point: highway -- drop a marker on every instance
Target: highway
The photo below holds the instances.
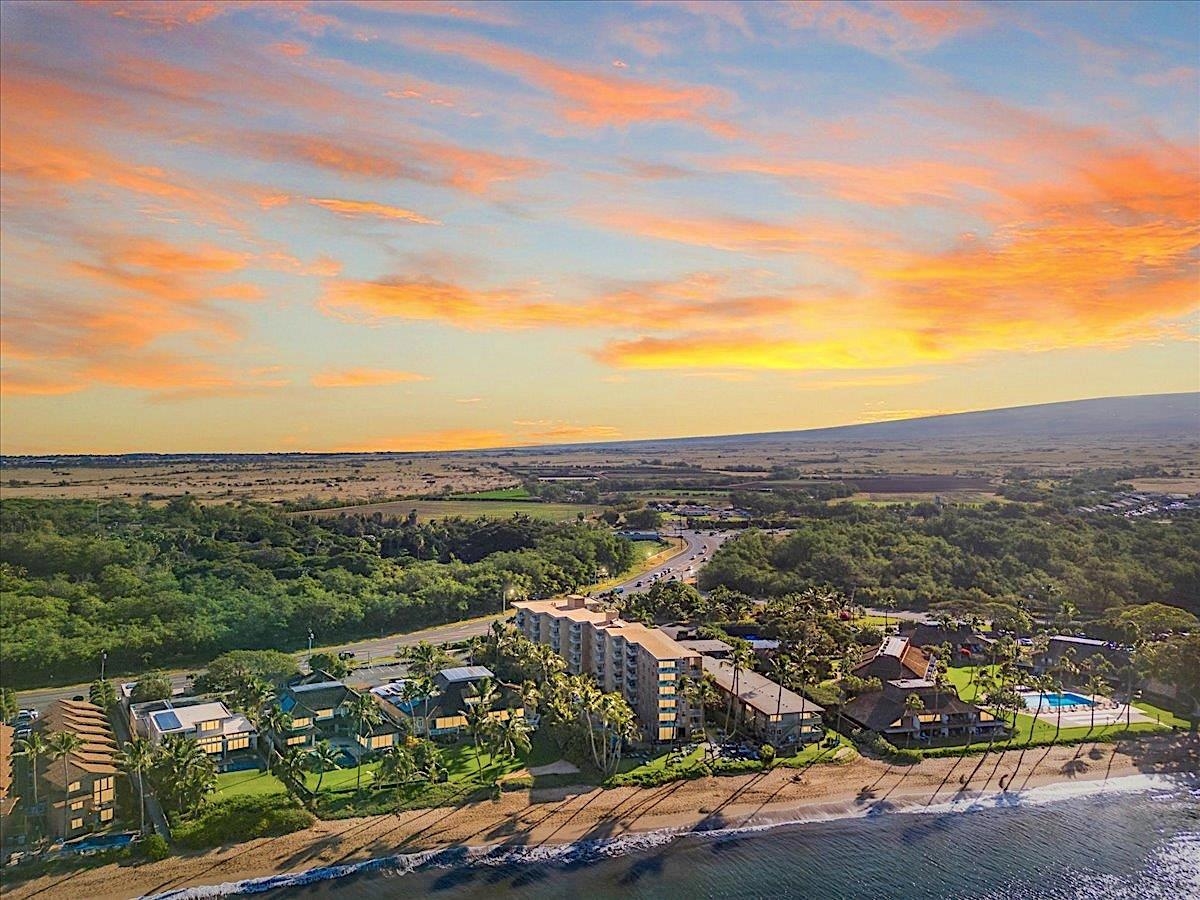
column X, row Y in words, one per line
column 375, row 648
column 693, row 555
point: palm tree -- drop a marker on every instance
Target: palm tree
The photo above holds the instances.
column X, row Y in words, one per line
column 250, row 695
column 273, row 725
column 292, row 764
column 530, row 697
column 742, row 657
column 887, row 603
column 479, row 723
column 187, row 772
column 398, row 764
column 34, row 748
column 512, row 736
column 419, row 689
column 1095, row 684
column 366, row 713
column 913, row 704
column 62, row 744
column 784, row 670
column 137, row 756
column 322, row 758
column 620, row 726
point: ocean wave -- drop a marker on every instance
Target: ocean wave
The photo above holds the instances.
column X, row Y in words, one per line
column 586, row 851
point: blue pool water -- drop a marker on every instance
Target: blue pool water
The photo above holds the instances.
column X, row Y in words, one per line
column 1054, row 701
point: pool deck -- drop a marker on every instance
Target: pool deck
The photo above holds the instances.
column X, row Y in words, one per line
column 1108, row 712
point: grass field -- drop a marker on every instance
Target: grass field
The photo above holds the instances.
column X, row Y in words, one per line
column 512, row 493
column 247, row 784
column 440, row 509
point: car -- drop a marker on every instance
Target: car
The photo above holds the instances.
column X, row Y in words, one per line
column 1026, row 642
column 22, row 733
column 639, row 584
column 78, row 698
column 346, row 654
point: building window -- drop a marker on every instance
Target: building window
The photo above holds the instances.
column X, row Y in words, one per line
column 241, row 742
column 76, row 805
column 301, row 722
column 297, row 739
column 106, row 815
column 76, row 823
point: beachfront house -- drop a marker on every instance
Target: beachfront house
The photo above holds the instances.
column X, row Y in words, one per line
column 962, row 638
column 1083, row 650
column 937, row 712
column 321, row 708
column 223, row 735
column 454, row 690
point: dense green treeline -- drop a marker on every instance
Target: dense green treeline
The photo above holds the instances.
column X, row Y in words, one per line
column 918, row 555
column 161, row 586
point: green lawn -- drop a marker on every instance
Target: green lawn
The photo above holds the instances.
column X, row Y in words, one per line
column 459, row 760
column 662, row 761
column 248, row 783
column 961, row 678
column 820, row 752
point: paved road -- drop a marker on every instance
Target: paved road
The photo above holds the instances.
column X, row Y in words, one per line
column 40, row 698
column 699, row 549
column 365, row 650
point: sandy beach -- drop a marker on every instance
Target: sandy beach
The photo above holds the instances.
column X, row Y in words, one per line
column 566, row 815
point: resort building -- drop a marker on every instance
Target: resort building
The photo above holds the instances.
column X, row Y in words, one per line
column 8, row 798
column 446, row 709
column 321, row 707
column 895, row 658
column 940, row 714
column 81, row 794
column 1083, row 650
column 642, row 664
column 774, row 713
column 209, row 723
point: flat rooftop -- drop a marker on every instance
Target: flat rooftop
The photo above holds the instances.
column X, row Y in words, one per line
column 651, row 640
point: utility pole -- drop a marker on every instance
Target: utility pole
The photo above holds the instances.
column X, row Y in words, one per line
column 310, row 640
column 103, row 659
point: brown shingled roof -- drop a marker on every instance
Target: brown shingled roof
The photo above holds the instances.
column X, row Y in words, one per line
column 97, row 753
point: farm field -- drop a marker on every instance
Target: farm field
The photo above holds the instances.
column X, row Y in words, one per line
column 440, row 509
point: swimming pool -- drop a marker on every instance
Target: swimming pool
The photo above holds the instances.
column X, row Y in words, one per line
column 1054, row 701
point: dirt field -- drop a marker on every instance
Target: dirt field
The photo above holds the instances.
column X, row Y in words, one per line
column 373, row 478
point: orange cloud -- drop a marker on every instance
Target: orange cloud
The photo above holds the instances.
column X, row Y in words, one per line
column 699, row 300
column 429, row 162
column 598, row 98
column 886, row 29
column 364, row 378
column 353, row 209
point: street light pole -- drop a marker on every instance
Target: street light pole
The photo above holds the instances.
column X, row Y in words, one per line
column 103, row 659
column 310, row 640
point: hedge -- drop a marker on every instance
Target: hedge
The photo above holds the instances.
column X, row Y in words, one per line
column 242, row 819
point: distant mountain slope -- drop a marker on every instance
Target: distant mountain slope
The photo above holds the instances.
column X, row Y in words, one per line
column 1154, row 416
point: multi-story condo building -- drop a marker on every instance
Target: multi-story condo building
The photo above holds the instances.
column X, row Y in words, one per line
column 86, row 784
column 770, row 710
column 642, row 664
column 209, row 723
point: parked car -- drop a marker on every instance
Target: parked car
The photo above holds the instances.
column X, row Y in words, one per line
column 346, row 654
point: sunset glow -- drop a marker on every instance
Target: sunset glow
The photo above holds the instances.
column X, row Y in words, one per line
column 410, row 226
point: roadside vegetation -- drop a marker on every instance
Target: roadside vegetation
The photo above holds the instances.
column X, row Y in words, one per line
column 158, row 587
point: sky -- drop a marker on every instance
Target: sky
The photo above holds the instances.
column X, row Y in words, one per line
column 419, row 226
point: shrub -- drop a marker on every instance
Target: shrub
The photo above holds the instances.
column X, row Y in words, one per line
column 736, row 766
column 241, row 819
column 520, row 783
column 768, row 754
column 155, row 848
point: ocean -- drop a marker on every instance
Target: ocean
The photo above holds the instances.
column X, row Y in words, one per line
column 1136, row 837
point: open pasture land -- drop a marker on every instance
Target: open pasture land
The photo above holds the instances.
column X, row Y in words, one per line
column 293, row 478
column 345, row 479
column 467, row 509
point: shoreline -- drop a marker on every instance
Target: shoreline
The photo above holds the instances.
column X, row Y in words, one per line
column 567, row 822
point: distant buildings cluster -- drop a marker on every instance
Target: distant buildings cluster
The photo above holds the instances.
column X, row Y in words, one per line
column 1138, row 505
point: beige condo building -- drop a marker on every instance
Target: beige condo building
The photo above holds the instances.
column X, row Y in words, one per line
column 642, row 664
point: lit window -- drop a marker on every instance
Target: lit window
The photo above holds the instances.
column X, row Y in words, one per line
column 72, row 787
column 296, row 739
column 76, row 805
column 106, row 815
column 76, row 823
column 238, row 743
